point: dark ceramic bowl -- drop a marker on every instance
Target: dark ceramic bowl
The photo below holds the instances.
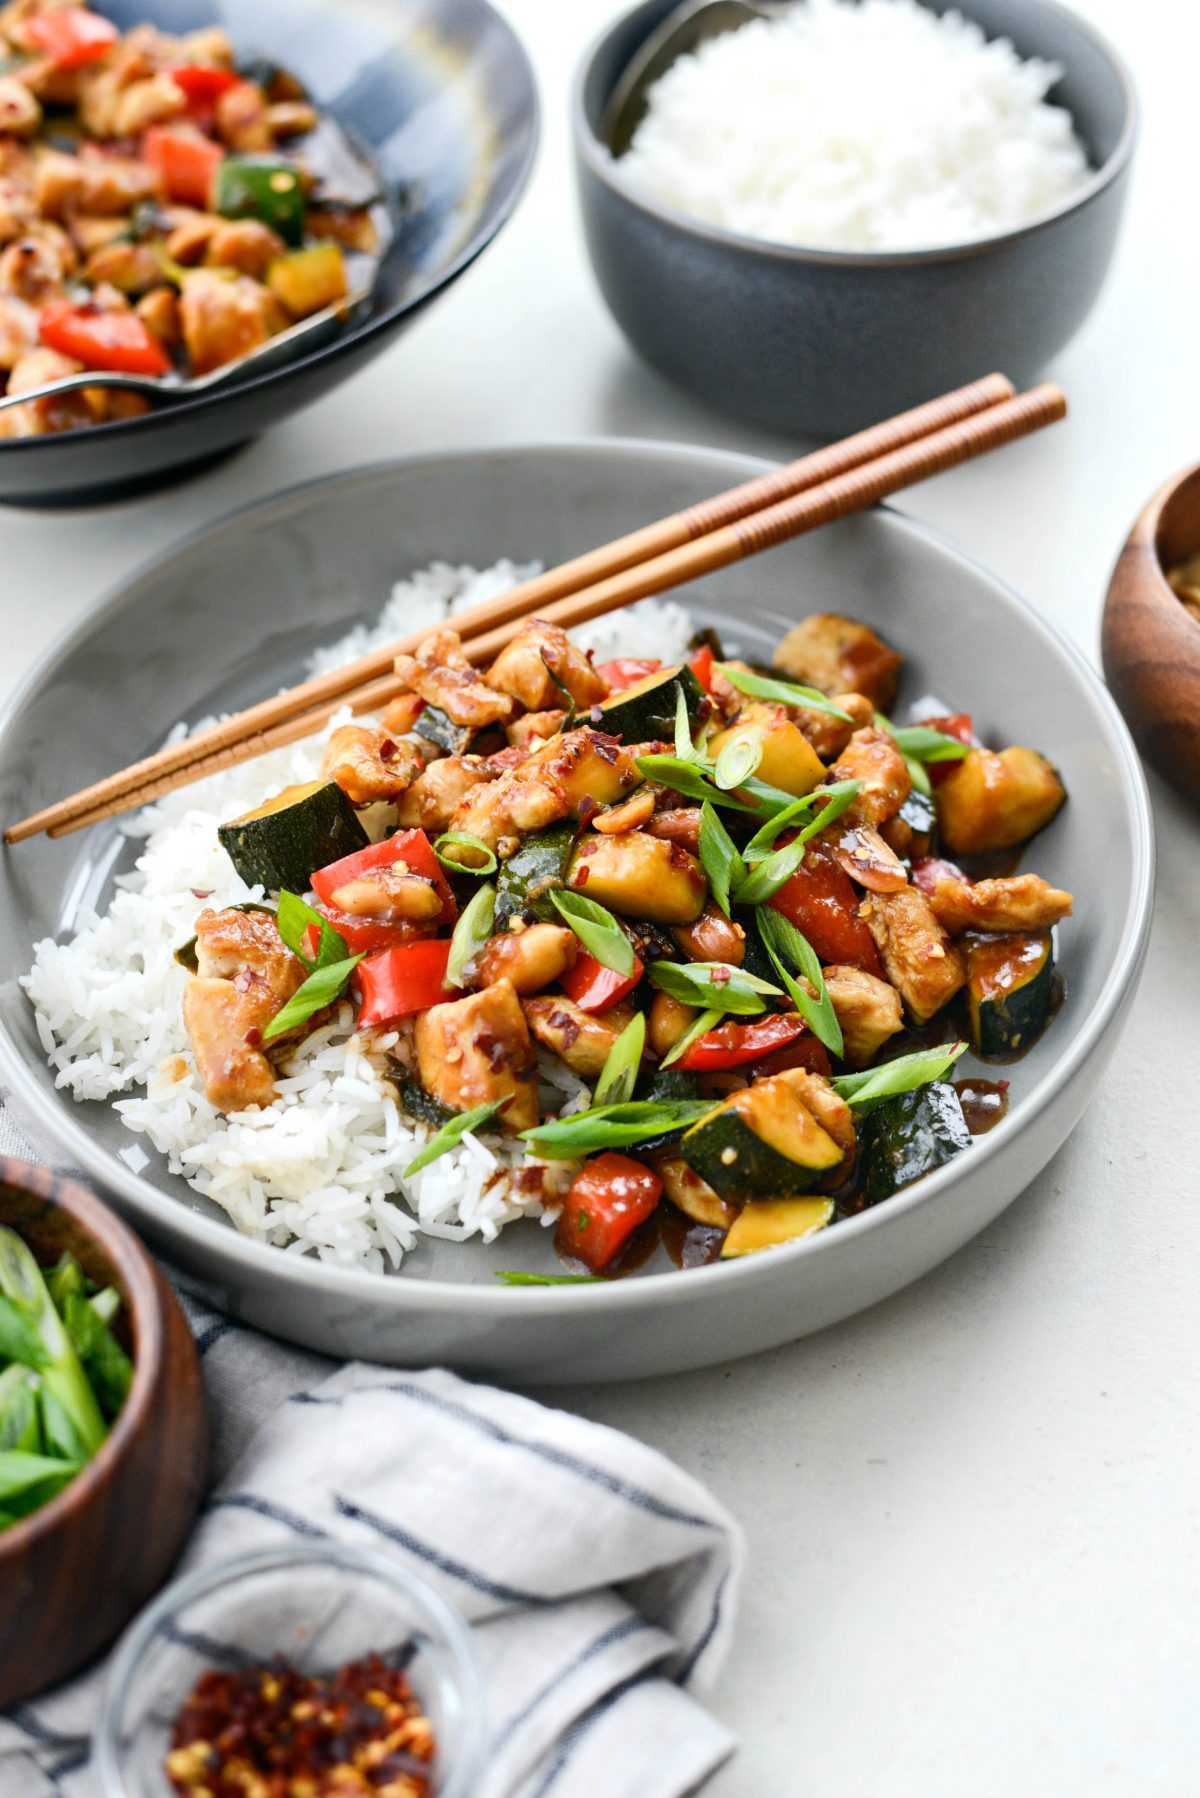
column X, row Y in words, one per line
column 73, row 1573
column 823, row 342
column 441, row 97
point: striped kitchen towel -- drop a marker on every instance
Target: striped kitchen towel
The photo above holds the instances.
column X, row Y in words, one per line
column 600, row 1579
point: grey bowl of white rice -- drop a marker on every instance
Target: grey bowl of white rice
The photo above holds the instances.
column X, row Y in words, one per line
column 831, row 215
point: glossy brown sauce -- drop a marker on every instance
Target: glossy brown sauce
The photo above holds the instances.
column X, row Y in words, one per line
column 984, row 1103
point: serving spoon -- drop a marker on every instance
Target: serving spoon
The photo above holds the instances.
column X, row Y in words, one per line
column 310, row 332
column 684, row 29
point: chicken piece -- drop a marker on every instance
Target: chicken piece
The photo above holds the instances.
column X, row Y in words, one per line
column 18, row 331
column 35, row 267
column 631, row 814
column 539, row 662
column 370, row 765
column 245, row 976
column 159, row 311
column 88, row 234
column 100, row 185
column 580, row 1038
column 1020, row 902
column 223, row 319
column 434, row 797
column 244, row 244
column 20, row 111
column 442, row 675
column 918, row 956
column 822, row 1103
column 829, row 736
column 867, row 1008
column 840, row 655
column 121, row 103
column 591, row 768
column 872, row 756
column 713, row 937
column 864, row 856
column 291, row 118
column 241, row 119
column 508, row 808
column 476, row 1050
column 132, row 268
column 530, row 958
column 190, row 237
column 400, row 714
column 54, row 412
column 534, row 727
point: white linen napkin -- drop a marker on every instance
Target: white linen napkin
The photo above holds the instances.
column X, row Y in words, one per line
column 600, row 1579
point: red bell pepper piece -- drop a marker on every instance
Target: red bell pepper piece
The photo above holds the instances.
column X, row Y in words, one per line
column 701, row 666
column 185, row 164
column 730, row 1045
column 930, row 868
column 805, row 1051
column 364, row 936
column 70, row 36
column 626, row 671
column 593, row 987
column 960, row 726
column 398, row 982
column 607, row 1201
column 820, row 901
column 203, row 86
column 409, row 846
column 98, row 339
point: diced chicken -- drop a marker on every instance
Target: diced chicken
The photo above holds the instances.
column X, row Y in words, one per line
column 918, row 956
column 190, row 237
column 443, row 676
column 122, row 101
column 510, row 807
column 580, row 1038
column 436, row 794
column 241, row 118
column 530, row 958
column 1020, row 902
column 20, row 111
column 829, row 736
column 35, row 266
column 534, row 727
column 18, row 330
column 133, row 268
column 477, row 1050
column 538, row 663
column 54, row 412
column 231, row 942
column 872, row 756
column 245, row 244
column 88, row 234
column 245, row 977
column 100, row 185
column 224, row 319
column 290, row 118
column 839, row 655
column 867, row 1008
column 159, row 311
column 822, row 1103
column 864, row 856
column 370, row 765
column 591, row 768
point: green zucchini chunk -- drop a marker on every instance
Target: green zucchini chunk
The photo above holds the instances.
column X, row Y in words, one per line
column 668, row 1086
column 1010, row 989
column 438, row 727
column 920, row 814
column 645, row 712
column 909, row 1136
column 281, row 844
column 422, row 1106
column 526, row 879
column 761, row 1143
column 186, row 955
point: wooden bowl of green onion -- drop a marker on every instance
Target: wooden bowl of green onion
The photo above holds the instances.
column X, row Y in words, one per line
column 103, row 1428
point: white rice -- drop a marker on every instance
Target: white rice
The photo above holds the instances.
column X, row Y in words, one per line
column 858, row 125
column 318, row 1171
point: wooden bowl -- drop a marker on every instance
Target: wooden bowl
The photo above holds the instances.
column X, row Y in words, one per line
column 1150, row 643
column 73, row 1573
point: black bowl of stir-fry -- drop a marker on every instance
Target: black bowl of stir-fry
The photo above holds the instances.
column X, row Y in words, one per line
column 174, row 196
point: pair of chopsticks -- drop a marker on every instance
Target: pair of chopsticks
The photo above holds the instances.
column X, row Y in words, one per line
column 845, row 477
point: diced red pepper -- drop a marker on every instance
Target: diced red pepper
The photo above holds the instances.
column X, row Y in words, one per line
column 960, row 726
column 805, row 1051
column 593, row 987
column 820, row 901
column 185, row 164
column 701, row 666
column 607, row 1201
column 398, row 982
column 203, row 86
column 363, row 936
column 927, row 872
column 409, row 846
column 626, row 671
column 99, row 339
column 730, row 1045
column 70, row 36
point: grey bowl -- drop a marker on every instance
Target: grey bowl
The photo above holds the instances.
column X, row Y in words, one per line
column 825, row 342
column 179, row 640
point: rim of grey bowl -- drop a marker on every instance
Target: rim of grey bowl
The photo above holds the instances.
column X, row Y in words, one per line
column 606, row 167
column 470, row 1695
column 670, row 1286
column 472, row 247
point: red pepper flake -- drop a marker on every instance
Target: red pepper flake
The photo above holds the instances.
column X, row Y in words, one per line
column 253, row 1038
column 274, row 1730
column 388, row 750
column 582, row 872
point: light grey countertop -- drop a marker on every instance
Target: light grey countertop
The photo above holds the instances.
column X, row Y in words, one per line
column 972, row 1513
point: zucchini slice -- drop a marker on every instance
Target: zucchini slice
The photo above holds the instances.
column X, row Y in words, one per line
column 761, row 1142
column 186, row 955
column 909, row 1136
column 645, row 712
column 526, row 879
column 281, row 843
column 766, row 1223
column 438, row 727
column 671, row 1086
column 422, row 1106
column 1010, row 988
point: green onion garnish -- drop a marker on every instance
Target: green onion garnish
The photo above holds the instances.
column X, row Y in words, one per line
column 761, row 843
column 782, row 940
column 472, row 931
column 700, row 1026
column 923, row 744
column 512, row 1278
column 738, row 760
column 688, row 779
column 450, row 1135
column 618, row 1076
column 758, row 686
column 462, row 853
column 767, row 876
column 293, row 918
column 719, row 857
column 321, row 988
column 903, row 1075
column 613, row 1127
column 713, row 986
column 596, row 929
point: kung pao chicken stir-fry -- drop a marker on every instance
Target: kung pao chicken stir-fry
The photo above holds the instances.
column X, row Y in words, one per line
column 161, row 208
column 749, row 915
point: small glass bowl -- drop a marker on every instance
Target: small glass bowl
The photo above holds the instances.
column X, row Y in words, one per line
column 317, row 1605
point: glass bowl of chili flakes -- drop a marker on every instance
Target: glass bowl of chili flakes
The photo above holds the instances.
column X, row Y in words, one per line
column 325, row 1666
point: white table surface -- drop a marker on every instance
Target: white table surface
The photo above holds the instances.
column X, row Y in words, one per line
column 972, row 1513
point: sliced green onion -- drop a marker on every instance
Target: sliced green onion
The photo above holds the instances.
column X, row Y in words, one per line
column 618, row 1076
column 472, row 931
column 713, row 986
column 293, row 919
column 511, row 1278
column 922, row 744
column 688, row 779
column 19, row 1341
column 20, row 1426
column 903, row 1075
column 105, row 1362
column 64, row 1384
column 28, row 1481
column 758, row 686
column 719, row 857
column 450, row 1135
column 321, row 988
column 473, row 857
column 568, row 698
column 613, row 1127
column 685, row 749
column 708, row 1020
column 771, row 800
column 782, row 940
column 738, row 760
column 596, row 929
column 767, row 876
column 763, row 839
